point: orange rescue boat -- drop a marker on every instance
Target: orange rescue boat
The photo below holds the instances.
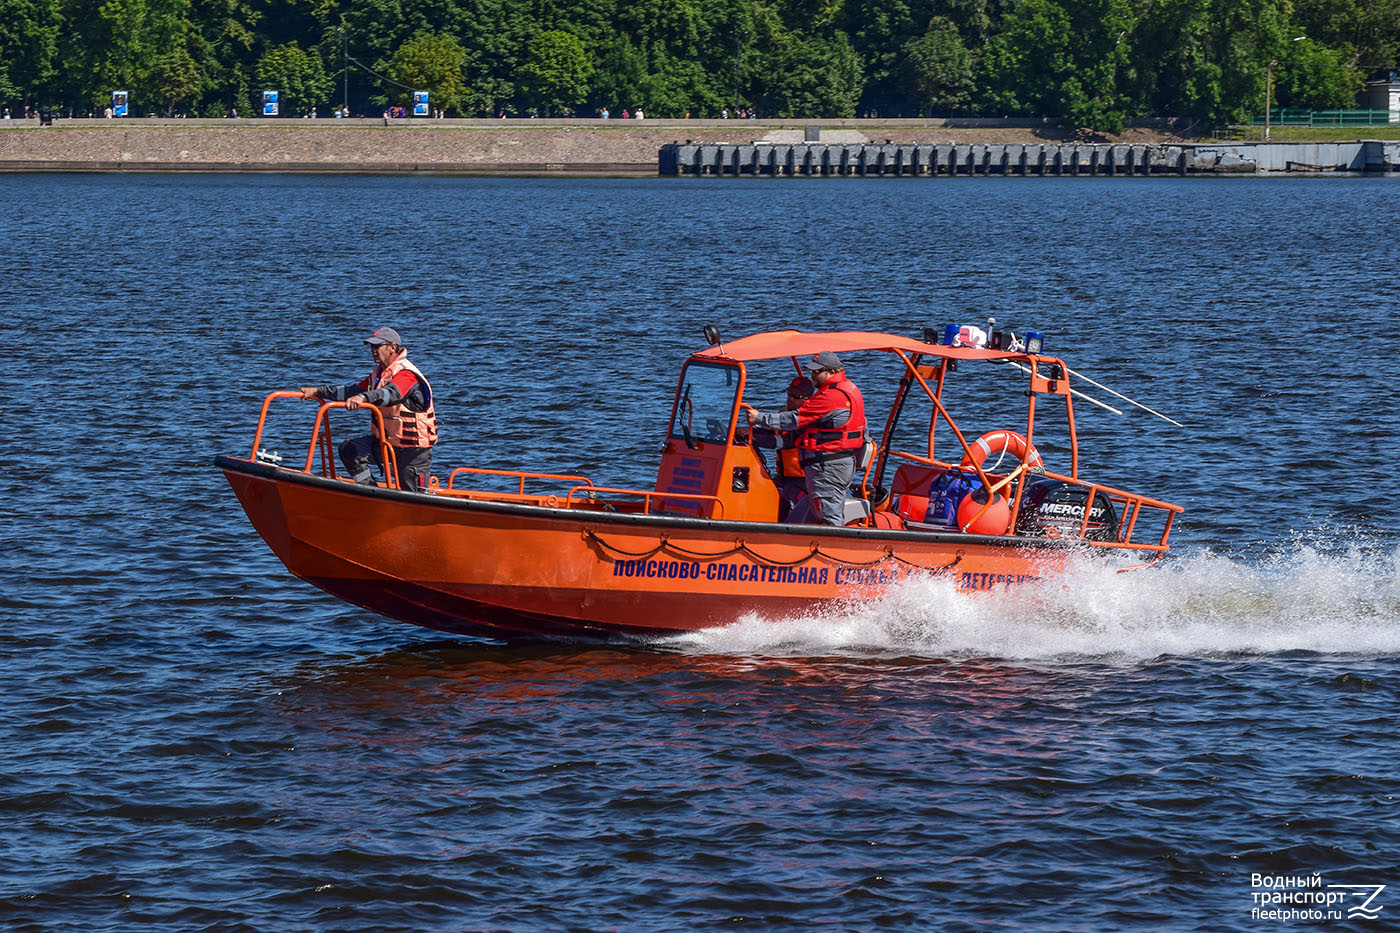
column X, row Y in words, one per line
column 555, row 556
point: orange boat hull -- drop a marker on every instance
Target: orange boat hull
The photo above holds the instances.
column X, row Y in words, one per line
column 507, row 570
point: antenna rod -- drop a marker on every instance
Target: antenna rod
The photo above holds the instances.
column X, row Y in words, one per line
column 1087, row 398
column 1123, row 397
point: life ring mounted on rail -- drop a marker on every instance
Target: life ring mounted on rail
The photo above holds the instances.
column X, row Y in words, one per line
column 1002, row 443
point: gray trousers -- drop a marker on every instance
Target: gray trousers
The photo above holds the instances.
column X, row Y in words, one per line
column 828, row 485
column 791, row 489
column 414, row 464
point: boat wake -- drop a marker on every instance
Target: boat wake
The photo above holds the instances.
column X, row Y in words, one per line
column 1312, row 596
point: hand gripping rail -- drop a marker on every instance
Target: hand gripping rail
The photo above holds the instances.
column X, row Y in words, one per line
column 321, row 436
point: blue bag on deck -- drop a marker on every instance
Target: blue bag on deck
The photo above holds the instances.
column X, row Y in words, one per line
column 946, row 493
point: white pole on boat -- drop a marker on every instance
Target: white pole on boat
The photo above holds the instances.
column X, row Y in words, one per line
column 1123, row 397
column 1087, row 398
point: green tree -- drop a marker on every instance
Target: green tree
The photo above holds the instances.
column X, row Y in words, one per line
column 432, row 62
column 622, row 78
column 29, row 31
column 938, row 68
column 174, row 80
column 1206, row 59
column 799, row 75
column 119, row 46
column 226, row 36
column 1023, row 64
column 880, row 31
column 673, row 57
column 1370, row 29
column 556, row 71
column 298, row 76
column 1317, row 77
column 676, row 87
column 1056, row 61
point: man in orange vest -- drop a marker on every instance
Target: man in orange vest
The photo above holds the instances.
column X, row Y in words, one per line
column 405, row 400
column 791, row 479
column 830, row 432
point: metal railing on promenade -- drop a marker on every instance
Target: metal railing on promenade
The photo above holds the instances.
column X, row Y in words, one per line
column 1283, row 116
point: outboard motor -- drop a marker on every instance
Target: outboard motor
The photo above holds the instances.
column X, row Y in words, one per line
column 1053, row 508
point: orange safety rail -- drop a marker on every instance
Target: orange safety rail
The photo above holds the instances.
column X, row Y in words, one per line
column 935, row 397
column 386, row 456
column 262, row 419
column 321, row 435
column 1130, row 505
column 646, row 494
column 521, row 475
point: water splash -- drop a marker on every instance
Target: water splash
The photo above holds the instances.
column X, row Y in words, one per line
column 1328, row 597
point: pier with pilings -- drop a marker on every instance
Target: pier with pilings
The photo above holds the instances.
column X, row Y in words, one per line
column 1047, row 160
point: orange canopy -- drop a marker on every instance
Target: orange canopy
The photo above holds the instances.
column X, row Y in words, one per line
column 780, row 343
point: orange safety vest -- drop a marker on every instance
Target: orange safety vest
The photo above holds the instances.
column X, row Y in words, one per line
column 404, row 428
column 790, row 463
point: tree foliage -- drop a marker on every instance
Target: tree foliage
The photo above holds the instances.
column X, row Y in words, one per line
column 298, row 76
column 556, row 70
column 173, row 80
column 432, row 62
column 29, row 31
column 938, row 68
column 1091, row 63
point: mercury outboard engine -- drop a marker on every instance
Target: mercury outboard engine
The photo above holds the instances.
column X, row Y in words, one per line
column 1054, row 508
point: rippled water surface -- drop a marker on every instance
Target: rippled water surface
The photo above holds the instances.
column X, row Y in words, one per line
column 191, row 739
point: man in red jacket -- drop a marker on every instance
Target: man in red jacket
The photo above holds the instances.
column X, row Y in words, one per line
column 791, row 481
column 830, row 433
column 405, row 400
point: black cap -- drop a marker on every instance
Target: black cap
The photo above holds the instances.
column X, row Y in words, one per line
column 801, row 387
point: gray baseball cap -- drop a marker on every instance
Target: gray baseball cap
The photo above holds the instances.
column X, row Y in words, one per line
column 384, row 335
column 825, row 360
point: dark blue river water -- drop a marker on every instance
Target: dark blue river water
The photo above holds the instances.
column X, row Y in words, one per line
column 190, row 739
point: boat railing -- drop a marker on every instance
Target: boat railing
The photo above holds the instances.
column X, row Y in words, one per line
column 646, row 495
column 1131, row 507
column 519, row 475
column 321, row 437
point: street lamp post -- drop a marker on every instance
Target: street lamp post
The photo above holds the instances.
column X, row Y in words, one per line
column 345, row 67
column 1269, row 87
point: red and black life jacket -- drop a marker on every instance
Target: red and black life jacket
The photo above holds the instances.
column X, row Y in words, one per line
column 851, row 435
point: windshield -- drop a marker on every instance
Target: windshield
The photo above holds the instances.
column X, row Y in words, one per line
column 706, row 402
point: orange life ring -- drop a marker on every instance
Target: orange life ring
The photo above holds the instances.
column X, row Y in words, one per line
column 1000, row 442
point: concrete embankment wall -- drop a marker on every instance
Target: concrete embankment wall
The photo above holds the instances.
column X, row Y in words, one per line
column 627, row 147
column 578, row 146
column 326, row 146
column 896, row 160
